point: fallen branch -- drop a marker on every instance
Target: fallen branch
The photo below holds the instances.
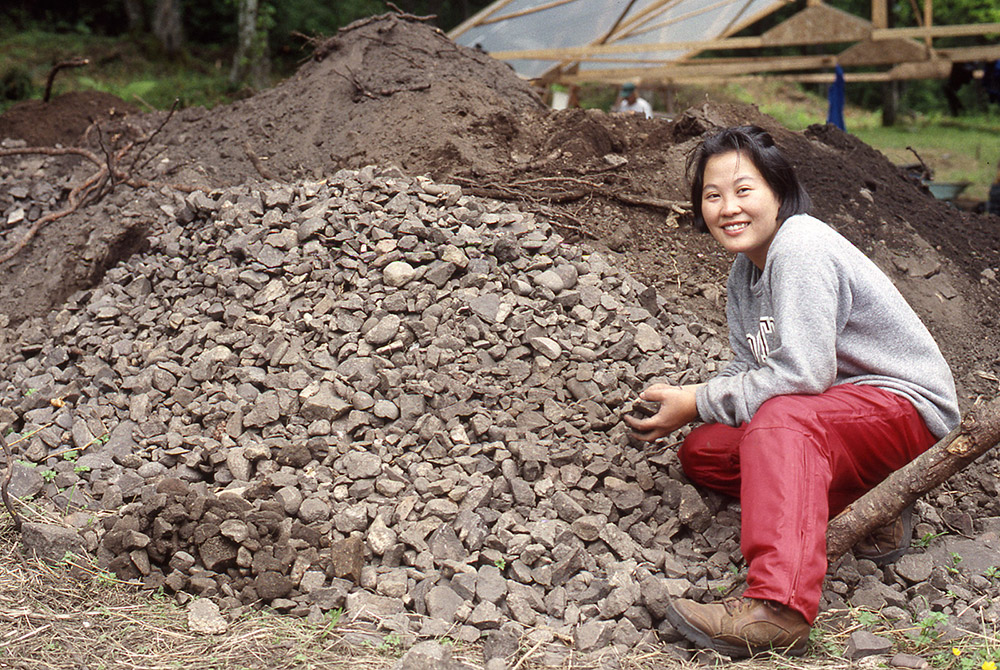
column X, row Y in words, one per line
column 72, row 62
column 406, row 15
column 978, row 433
column 6, row 480
column 258, row 165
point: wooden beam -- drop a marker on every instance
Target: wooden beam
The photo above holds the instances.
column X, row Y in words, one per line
column 674, row 71
column 583, row 52
column 525, row 12
column 967, row 54
column 474, row 20
column 883, row 52
column 958, row 30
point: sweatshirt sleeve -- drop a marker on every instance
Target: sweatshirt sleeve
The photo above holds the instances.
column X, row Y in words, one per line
column 809, row 298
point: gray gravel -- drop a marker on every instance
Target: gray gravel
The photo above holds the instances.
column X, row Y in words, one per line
column 378, row 394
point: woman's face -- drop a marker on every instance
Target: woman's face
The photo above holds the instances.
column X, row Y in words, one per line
column 739, row 207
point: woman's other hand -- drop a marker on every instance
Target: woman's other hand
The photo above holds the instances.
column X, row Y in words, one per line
column 678, row 408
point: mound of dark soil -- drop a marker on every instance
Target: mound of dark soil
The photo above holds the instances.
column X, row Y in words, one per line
column 62, row 120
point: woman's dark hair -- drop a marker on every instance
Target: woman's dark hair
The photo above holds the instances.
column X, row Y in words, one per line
column 756, row 144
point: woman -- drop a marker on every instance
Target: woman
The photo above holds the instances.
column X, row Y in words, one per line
column 835, row 383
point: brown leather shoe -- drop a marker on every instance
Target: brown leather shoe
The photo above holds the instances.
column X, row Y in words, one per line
column 889, row 542
column 740, row 627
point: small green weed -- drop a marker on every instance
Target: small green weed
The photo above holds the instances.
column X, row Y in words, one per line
column 927, row 630
column 927, row 538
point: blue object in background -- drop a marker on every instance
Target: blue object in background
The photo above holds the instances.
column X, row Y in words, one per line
column 836, row 98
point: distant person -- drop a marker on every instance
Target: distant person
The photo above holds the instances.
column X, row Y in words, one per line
column 630, row 102
column 834, row 384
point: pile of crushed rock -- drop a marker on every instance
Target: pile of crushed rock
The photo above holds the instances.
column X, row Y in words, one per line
column 378, row 394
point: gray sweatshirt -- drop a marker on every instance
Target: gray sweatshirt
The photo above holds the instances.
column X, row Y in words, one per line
column 820, row 314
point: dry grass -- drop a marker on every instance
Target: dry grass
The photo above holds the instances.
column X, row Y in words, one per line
column 73, row 616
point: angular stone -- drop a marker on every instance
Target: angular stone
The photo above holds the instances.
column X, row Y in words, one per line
column 381, row 538
column 205, row 617
column 863, row 643
column 49, row 542
column 347, row 558
column 442, row 603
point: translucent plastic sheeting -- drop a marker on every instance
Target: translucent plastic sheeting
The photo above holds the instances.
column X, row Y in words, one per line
column 516, row 25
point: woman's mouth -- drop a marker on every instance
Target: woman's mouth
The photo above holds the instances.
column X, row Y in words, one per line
column 732, row 228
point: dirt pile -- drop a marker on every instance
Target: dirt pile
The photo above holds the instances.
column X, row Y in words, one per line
column 64, row 119
column 368, row 389
column 382, row 92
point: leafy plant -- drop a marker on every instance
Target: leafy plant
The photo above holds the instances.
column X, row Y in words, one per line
column 927, row 538
column 927, row 630
column 500, row 564
column 49, row 475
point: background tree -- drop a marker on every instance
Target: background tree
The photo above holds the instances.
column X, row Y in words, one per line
column 251, row 63
column 168, row 25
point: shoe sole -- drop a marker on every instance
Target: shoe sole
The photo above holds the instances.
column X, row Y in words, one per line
column 701, row 639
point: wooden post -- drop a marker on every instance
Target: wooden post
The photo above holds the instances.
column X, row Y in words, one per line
column 880, row 14
column 928, row 21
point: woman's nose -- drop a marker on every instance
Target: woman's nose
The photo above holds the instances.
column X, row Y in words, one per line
column 730, row 206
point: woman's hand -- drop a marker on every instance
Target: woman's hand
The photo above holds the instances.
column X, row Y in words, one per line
column 678, row 408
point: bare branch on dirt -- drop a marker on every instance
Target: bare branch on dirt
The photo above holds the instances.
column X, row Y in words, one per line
column 6, row 481
column 144, row 142
column 353, row 81
column 405, row 15
column 978, row 433
column 925, row 172
column 98, row 184
column 258, row 165
column 72, row 62
column 521, row 190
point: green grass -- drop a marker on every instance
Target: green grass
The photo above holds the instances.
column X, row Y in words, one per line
column 134, row 70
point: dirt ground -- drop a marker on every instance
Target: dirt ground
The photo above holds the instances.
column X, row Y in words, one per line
column 391, row 91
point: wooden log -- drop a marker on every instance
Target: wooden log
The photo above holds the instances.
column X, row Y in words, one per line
column 978, row 433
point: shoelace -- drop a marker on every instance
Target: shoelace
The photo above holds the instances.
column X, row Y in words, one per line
column 734, row 604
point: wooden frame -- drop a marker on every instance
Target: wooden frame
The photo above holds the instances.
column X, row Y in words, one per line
column 905, row 52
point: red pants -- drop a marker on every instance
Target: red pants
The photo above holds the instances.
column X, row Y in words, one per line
column 800, row 461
